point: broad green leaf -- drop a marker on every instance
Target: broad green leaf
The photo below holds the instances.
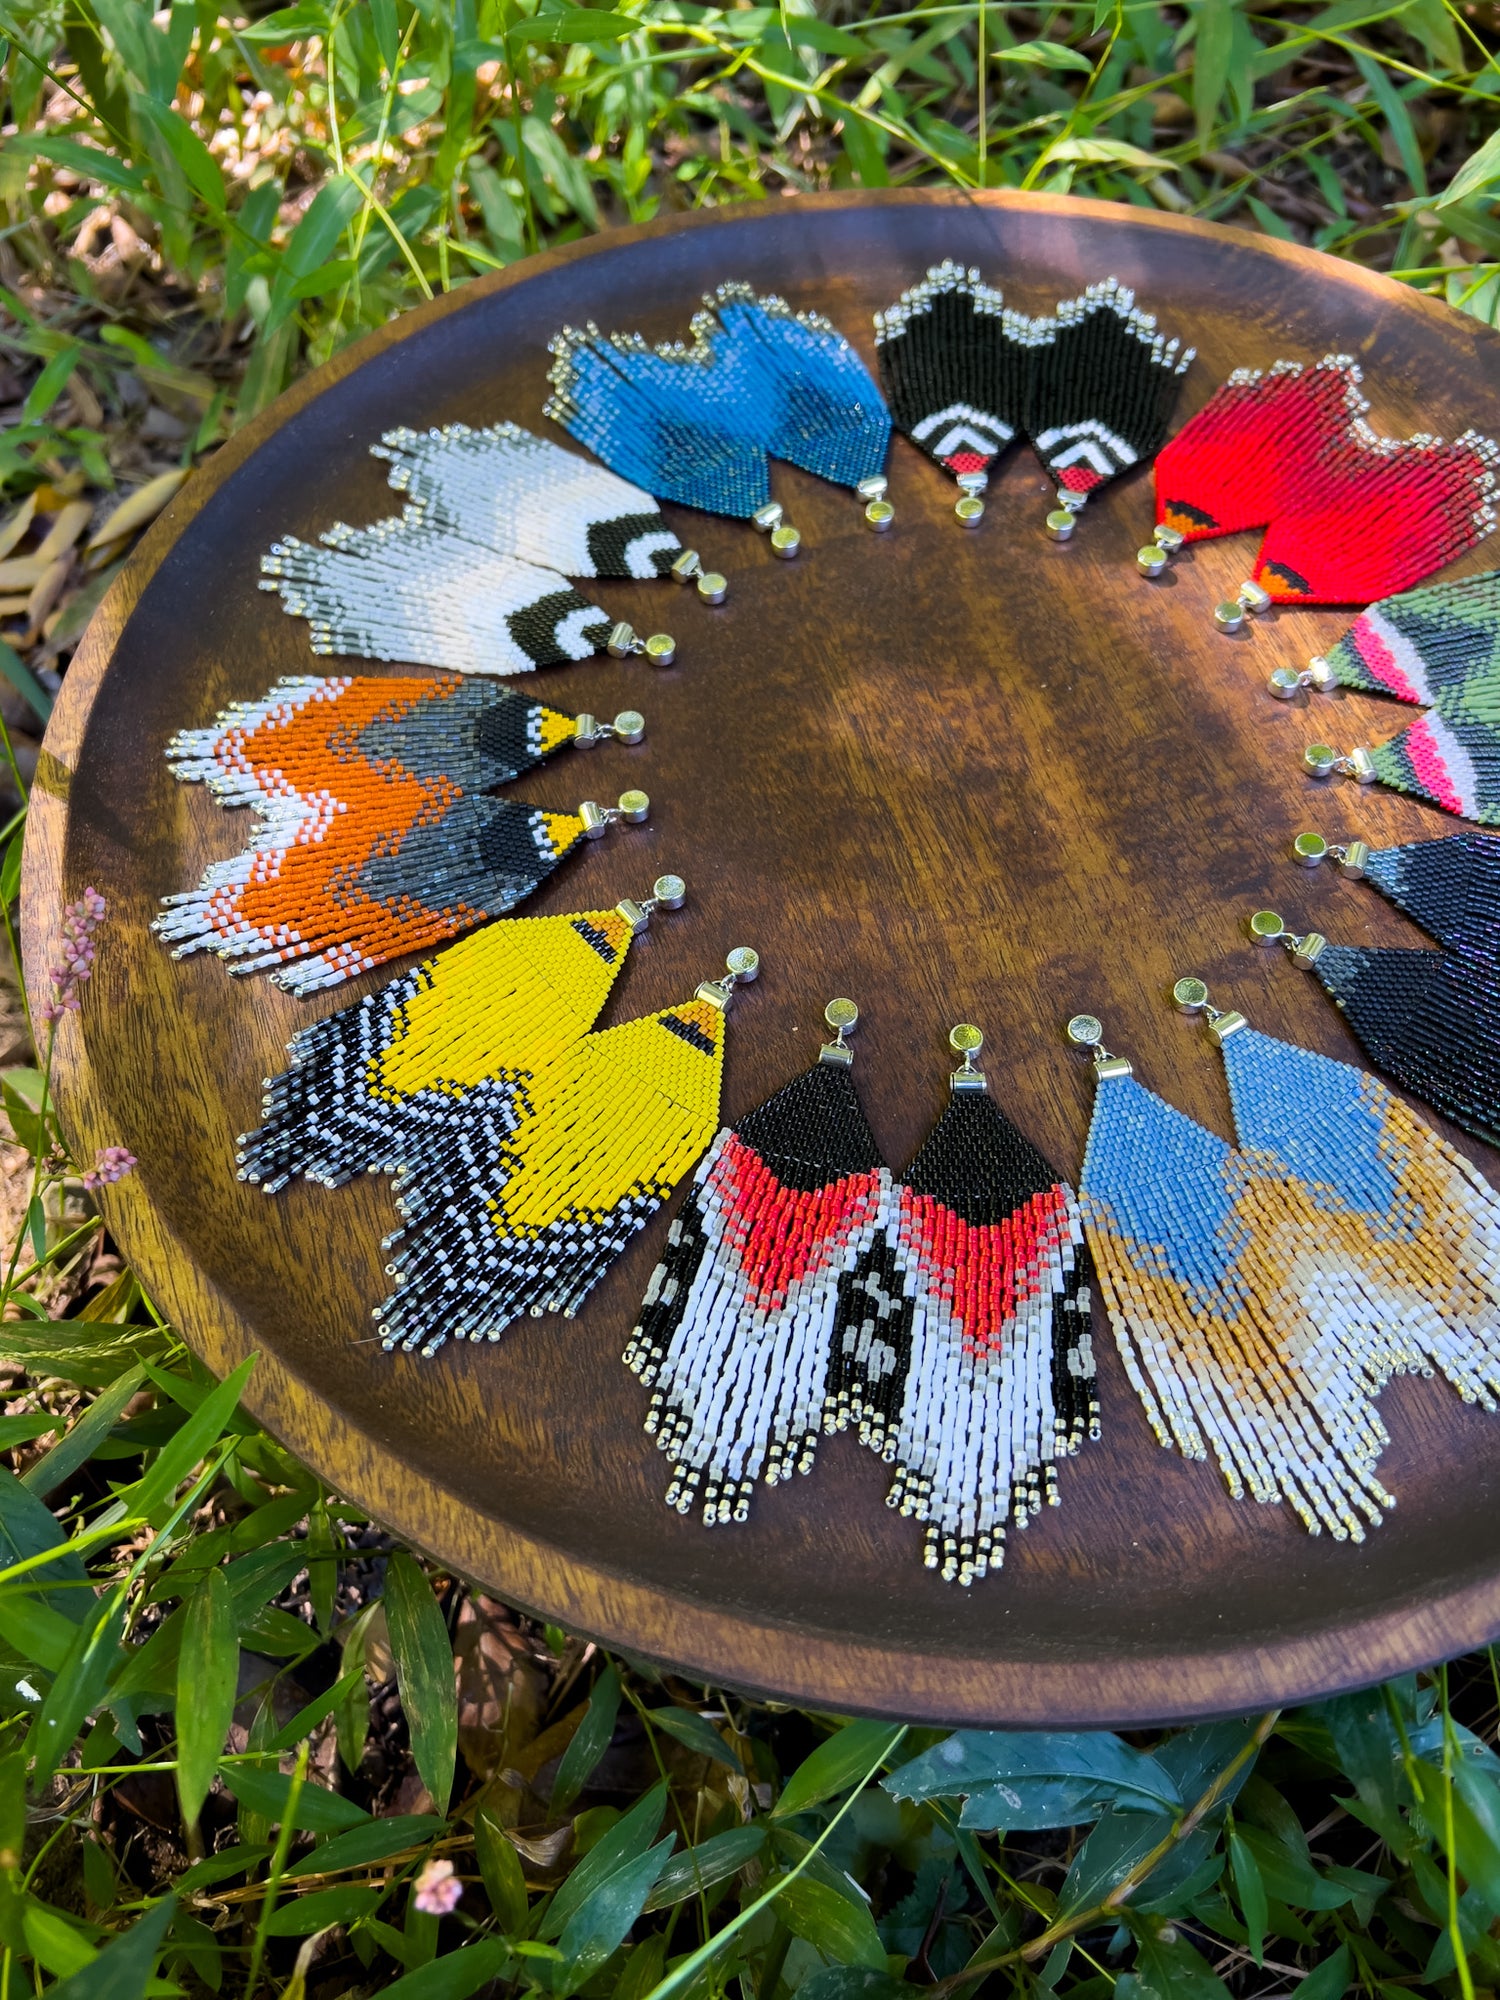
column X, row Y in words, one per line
column 625, row 1842
column 854, row 1982
column 1252, row 1894
column 455, row 1975
column 57, row 1945
column 807, row 31
column 208, row 1666
column 216, row 1868
column 10, row 868
column 1103, row 152
column 287, row 25
column 644, row 1964
column 599, row 1923
column 300, row 1916
column 841, row 1760
column 589, row 1743
column 1477, row 175
column 1368, row 1753
column 501, row 1872
column 576, row 24
column 199, row 167
column 1168, row 1968
column 91, row 1429
column 1023, row 1783
column 1045, row 55
column 1287, row 1873
column 312, row 243
column 838, row 1927
column 864, row 149
column 266, row 1793
column 123, row 1968
column 90, row 163
column 706, row 1865
column 424, row 1674
column 696, row 1732
column 27, row 1528
column 151, row 1497
column 50, row 384
column 1330, row 1978
column 376, row 1840
column 79, row 1685
column 1212, row 47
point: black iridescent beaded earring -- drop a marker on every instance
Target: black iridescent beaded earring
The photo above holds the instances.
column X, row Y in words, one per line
column 1429, row 1019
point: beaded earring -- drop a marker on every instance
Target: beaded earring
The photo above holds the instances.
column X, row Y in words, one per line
column 1102, row 388
column 1429, row 1019
column 735, row 1328
column 422, row 1076
column 1093, row 387
column 520, row 495
column 955, row 374
column 1262, row 1296
column 407, row 590
column 1349, row 516
column 699, row 424
column 372, row 836
column 606, row 1130
column 961, row 1346
column 1425, row 646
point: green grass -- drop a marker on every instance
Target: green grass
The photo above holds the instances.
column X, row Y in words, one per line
column 196, row 206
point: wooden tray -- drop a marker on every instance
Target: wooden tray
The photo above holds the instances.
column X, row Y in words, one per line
column 957, row 776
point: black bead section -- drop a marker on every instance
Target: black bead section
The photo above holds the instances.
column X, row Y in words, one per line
column 976, row 1162
column 813, row 1132
column 608, row 542
column 535, row 627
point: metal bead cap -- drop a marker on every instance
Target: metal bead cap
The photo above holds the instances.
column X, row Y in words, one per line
column 634, row 807
column 1266, row 927
column 712, row 587
column 1320, row 760
column 1060, row 524
column 1151, row 560
column 1086, row 1030
column 1230, row 615
column 1285, row 683
column 785, row 541
column 841, row 1015
column 1190, row 995
column 1310, row 849
column 661, row 649
column 970, row 510
column 965, row 1039
column 880, row 514
column 629, row 725
column 669, row 891
column 744, row 963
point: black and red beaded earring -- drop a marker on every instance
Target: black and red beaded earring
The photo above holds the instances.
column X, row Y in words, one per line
column 962, row 1348
column 733, row 1338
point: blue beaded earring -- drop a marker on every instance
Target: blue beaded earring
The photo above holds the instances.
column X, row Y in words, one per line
column 699, row 423
column 1429, row 1019
column 1261, row 1296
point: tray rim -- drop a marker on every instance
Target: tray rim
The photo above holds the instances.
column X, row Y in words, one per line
column 730, row 1647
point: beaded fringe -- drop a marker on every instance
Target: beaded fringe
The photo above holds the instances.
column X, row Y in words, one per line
column 1262, row 1297
column 605, row 1131
column 737, row 1321
column 1349, row 515
column 698, row 423
column 523, row 496
column 422, row 1077
column 946, row 1317
column 961, row 1348
column 405, row 589
column 366, row 815
column 1093, row 387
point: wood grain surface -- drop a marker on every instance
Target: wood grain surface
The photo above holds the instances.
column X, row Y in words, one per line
column 956, row 776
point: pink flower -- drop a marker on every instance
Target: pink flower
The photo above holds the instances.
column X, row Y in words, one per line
column 438, row 1889
column 80, row 921
column 111, row 1163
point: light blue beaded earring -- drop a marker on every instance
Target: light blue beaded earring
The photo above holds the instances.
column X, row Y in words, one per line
column 1261, row 1296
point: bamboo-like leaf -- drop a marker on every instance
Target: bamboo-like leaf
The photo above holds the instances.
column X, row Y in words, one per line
column 207, row 1677
column 424, row 1674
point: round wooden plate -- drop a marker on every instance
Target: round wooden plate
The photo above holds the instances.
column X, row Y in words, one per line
column 957, row 776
